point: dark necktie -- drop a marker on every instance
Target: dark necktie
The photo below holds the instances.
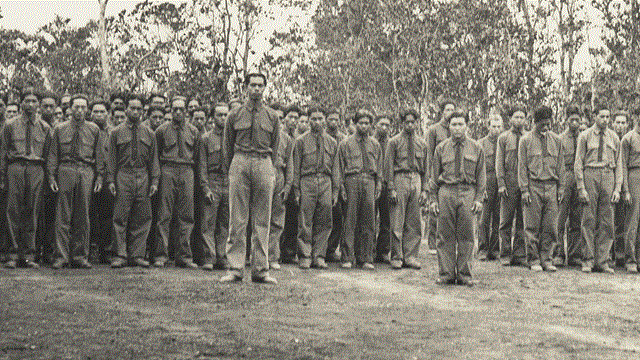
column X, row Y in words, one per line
column 458, row 159
column 320, row 152
column 75, row 141
column 412, row 153
column 28, row 138
column 366, row 167
column 179, row 142
column 543, row 145
column 134, row 143
column 600, row 145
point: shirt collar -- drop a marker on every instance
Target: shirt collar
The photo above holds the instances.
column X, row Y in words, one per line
column 217, row 130
column 597, row 130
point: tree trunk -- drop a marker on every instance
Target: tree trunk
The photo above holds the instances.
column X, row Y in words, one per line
column 104, row 57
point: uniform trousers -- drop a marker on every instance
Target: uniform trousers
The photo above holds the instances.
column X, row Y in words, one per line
column 315, row 216
column 359, row 225
column 278, row 214
column 510, row 212
column 569, row 219
column 490, row 220
column 383, row 209
column 132, row 213
column 215, row 230
column 405, row 217
column 541, row 221
column 597, row 216
column 631, row 236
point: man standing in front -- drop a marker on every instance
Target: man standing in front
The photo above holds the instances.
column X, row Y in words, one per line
column 457, row 188
column 541, row 180
column 359, row 167
column 620, row 124
column 405, row 168
column 599, row 180
column 250, row 142
column 25, row 142
column 75, row 167
column 132, row 178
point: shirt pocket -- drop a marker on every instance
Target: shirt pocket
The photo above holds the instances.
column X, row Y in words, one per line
column 354, row 158
column 447, row 160
column 87, row 141
column 38, row 142
column 534, row 162
column 470, row 165
column 65, row 138
column 265, row 132
column 19, row 139
column 309, row 157
column 213, row 155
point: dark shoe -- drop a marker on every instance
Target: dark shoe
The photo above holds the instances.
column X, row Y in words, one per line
column 59, row 264
column 231, row 277
column 383, row 259
column 519, row 262
column 141, row 262
column 83, row 264
column 159, row 263
column 482, row 256
column 413, row 264
column 574, row 262
column 264, row 279
column 441, row 281
column 188, row 264
column 549, row 267
column 332, row 258
column 368, row 266
column 305, row 263
column 620, row 263
column 223, row 264
column 31, row 264
column 396, row 264
column 117, row 263
column 346, row 265
column 320, row 264
column 465, row 282
column 11, row 264
column 505, row 261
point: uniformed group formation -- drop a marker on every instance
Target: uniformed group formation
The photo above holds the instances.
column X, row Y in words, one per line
column 142, row 181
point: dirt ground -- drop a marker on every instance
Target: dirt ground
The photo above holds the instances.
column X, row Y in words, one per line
column 130, row 313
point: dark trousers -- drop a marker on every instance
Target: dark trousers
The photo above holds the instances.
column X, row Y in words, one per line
column 45, row 235
column 132, row 213
column 619, row 217
column 541, row 222
column 24, row 195
column 405, row 217
column 456, row 234
column 197, row 239
column 359, row 226
column 215, row 230
column 75, row 183
column 569, row 219
column 383, row 209
column 176, row 201
column 315, row 216
column 631, row 238
column 510, row 212
column 597, row 216
column 289, row 238
column 490, row 220
column 101, row 215
column 278, row 214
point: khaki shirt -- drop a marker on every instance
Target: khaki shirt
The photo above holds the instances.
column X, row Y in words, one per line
column 397, row 158
column 13, row 146
column 489, row 144
column 587, row 154
column 507, row 156
column 536, row 164
column 120, row 152
column 350, row 157
column 308, row 152
column 629, row 156
column 436, row 134
column 569, row 143
column 89, row 144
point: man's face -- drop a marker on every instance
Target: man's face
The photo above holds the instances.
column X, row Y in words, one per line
column 543, row 126
column 332, row 121
column 303, row 124
column 117, row 102
column 518, row 119
column 79, row 109
column 602, row 118
column 220, row 116
column 48, row 109
column 156, row 118
column 119, row 116
column 620, row 124
column 316, row 120
column 410, row 123
column 495, row 127
column 58, row 115
column 458, row 127
column 30, row 104
column 193, row 104
column 198, row 119
column 11, row 111
column 134, row 110
column 448, row 110
column 383, row 126
column 178, row 110
column 157, row 101
column 292, row 119
column 168, row 116
column 363, row 125
column 573, row 122
column 584, row 124
column 255, row 88
column 99, row 114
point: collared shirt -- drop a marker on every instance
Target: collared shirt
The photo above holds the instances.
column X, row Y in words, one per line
column 489, row 144
column 436, row 134
column 62, row 147
column 473, row 170
column 169, row 147
column 540, row 157
column 569, row 143
column 338, row 135
column 212, row 151
column 120, row 151
column 587, row 154
column 314, row 153
column 397, row 158
column 13, row 146
column 507, row 155
column 629, row 156
column 251, row 128
column 284, row 161
column 349, row 160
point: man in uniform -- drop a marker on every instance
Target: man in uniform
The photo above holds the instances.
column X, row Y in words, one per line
column 75, row 167
column 250, row 143
column 132, row 178
column 599, row 180
column 315, row 189
column 359, row 167
column 620, row 125
column 155, row 118
column 333, row 122
column 630, row 165
column 488, row 245
column 435, row 135
column 509, row 192
column 198, row 118
column 457, row 188
column 289, row 239
column 541, row 180
column 570, row 211
column 383, row 242
column 405, row 168
column 25, row 142
column 179, row 146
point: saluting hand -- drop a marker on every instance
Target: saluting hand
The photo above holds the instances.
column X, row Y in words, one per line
column 153, row 189
column 112, row 189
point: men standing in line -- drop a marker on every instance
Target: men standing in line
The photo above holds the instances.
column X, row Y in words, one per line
column 215, row 224
column 181, row 169
column 315, row 189
column 541, row 181
column 197, row 118
column 488, row 244
column 599, row 179
column 405, row 169
column 509, row 192
column 437, row 133
column 383, row 242
column 333, row 121
column 620, row 122
column 75, row 167
column 359, row 167
column 25, row 142
column 132, row 178
column 250, row 142
column 289, row 239
column 155, row 118
column 630, row 166
column 457, row 188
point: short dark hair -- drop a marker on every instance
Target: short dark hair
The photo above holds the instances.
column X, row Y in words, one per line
column 599, row 106
column 573, row 110
column 292, row 108
column 443, row 103
column 104, row 103
column 542, row 113
column 363, row 113
column 155, row 108
column 334, row 111
column 132, row 97
column 50, row 95
column 154, row 95
column 212, row 111
column 516, row 108
column 117, row 95
column 78, row 96
column 316, row 108
column 621, row 113
column 29, row 91
column 459, row 113
column 247, row 78
column 117, row 108
column 408, row 112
